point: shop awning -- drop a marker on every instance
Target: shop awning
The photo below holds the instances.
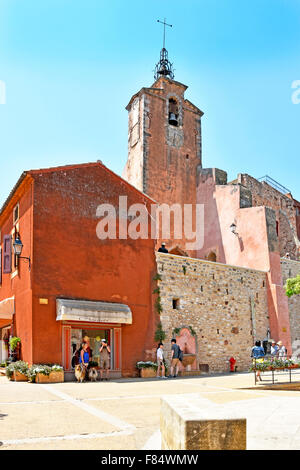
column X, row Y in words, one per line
column 84, row 310
column 7, row 308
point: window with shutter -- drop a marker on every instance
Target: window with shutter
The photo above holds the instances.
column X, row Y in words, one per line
column 6, row 254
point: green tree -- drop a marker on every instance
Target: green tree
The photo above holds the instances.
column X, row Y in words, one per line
column 292, row 286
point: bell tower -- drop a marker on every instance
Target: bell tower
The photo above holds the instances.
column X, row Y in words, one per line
column 164, row 140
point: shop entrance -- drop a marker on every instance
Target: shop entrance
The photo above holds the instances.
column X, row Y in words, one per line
column 73, row 335
column 93, row 337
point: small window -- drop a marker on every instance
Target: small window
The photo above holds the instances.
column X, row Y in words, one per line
column 176, row 304
column 16, row 214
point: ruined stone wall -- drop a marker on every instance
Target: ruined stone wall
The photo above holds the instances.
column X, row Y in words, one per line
column 290, row 269
column 225, row 305
column 265, row 195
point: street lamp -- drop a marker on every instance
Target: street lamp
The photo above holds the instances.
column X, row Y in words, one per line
column 18, row 247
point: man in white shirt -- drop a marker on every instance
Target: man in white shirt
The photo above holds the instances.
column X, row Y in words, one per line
column 274, row 349
column 282, row 350
column 160, row 361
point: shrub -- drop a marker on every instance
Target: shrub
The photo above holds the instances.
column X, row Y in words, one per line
column 18, row 366
column 13, row 341
column 147, row 364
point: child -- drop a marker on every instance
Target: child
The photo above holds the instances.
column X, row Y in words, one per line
column 160, row 361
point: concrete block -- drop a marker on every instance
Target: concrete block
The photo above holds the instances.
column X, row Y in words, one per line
column 187, row 425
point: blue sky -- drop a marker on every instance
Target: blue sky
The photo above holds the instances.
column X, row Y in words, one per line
column 70, row 68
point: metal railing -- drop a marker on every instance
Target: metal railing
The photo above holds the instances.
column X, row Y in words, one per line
column 267, row 179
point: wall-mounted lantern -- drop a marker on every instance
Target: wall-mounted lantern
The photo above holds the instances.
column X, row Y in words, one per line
column 18, row 247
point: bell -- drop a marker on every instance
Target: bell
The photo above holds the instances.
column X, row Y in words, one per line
column 173, row 119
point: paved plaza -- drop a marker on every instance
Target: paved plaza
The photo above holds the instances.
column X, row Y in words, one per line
column 125, row 413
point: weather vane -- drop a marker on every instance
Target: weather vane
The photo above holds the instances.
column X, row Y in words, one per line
column 164, row 66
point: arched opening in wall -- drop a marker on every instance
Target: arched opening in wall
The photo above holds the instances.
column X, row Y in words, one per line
column 173, row 112
column 212, row 256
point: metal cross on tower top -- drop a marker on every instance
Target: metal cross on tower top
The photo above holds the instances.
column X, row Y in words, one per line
column 165, row 24
column 164, row 66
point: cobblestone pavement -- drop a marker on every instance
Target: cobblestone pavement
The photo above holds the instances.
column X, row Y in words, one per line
column 125, row 413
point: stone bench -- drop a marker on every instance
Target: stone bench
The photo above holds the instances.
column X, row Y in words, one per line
column 189, row 424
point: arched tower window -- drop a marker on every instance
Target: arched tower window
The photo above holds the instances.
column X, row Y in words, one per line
column 173, row 112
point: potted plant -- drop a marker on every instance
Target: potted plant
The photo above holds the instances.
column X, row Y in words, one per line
column 56, row 374
column 46, row 373
column 39, row 373
column 13, row 342
column 147, row 369
column 18, row 371
column 15, row 346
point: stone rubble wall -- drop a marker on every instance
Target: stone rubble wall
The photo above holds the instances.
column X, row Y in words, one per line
column 265, row 195
column 225, row 305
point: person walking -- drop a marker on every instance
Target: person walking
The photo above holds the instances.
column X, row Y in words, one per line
column 160, row 361
column 175, row 353
column 104, row 353
column 258, row 354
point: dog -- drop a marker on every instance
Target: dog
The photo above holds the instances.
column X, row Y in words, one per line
column 80, row 373
column 93, row 374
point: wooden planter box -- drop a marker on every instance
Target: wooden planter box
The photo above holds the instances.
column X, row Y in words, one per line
column 41, row 379
column 53, row 377
column 147, row 372
column 57, row 376
column 18, row 377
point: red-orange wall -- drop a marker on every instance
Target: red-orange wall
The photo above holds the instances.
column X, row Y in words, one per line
column 255, row 244
column 71, row 262
column 20, row 285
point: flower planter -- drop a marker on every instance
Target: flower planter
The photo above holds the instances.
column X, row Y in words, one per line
column 41, row 378
column 19, row 377
column 53, row 377
column 147, row 372
column 56, row 376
